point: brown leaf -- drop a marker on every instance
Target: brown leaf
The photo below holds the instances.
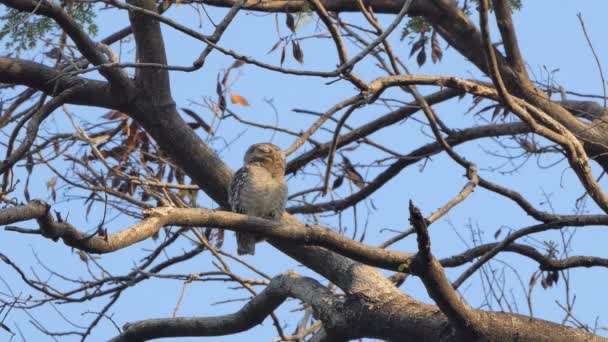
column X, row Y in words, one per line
column 51, row 183
column 298, row 54
column 221, row 103
column 5, row 328
column 421, row 58
column 115, row 115
column 418, row 45
column 55, row 146
column 237, row 64
column 283, row 54
column 436, row 51
column 497, row 233
column 198, row 120
column 484, row 109
column 99, row 138
column 533, row 279
column 239, row 100
column 290, row 22
column 337, row 182
column 353, row 175
column 476, row 101
column 218, row 87
column 275, row 46
column 29, row 164
column 133, row 137
column 496, row 112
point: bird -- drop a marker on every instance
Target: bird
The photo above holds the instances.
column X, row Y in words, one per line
column 259, row 189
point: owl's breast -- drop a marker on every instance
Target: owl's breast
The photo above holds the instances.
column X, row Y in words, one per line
column 261, row 194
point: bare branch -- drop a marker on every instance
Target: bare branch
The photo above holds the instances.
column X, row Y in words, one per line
column 424, row 265
column 252, row 314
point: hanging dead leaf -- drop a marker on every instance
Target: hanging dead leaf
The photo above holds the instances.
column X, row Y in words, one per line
column 133, row 137
column 51, row 183
column 290, row 22
column 115, row 115
column 421, row 58
column 283, row 54
column 337, row 182
column 221, row 103
column 418, row 45
column 198, row 120
column 3, row 326
column 275, row 46
column 497, row 233
column 237, row 64
column 496, row 112
column 239, row 100
column 218, row 86
column 99, row 138
column 298, row 54
column 436, row 51
column 352, row 174
column 29, row 164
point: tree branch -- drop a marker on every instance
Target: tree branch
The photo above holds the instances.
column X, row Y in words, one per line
column 424, row 265
column 413, row 157
column 52, row 82
column 84, row 43
column 253, row 313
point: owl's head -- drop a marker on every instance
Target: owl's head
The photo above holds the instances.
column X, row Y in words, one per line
column 266, row 154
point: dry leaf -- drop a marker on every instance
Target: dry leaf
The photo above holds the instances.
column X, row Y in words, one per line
column 275, row 46
column 221, row 103
column 239, row 100
column 290, row 22
column 418, row 45
column 283, row 54
column 114, row 115
column 198, row 120
column 298, row 54
column 421, row 58
column 353, row 175
column 436, row 52
column 337, row 182
column 99, row 139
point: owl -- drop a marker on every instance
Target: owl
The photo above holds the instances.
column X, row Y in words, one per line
column 258, row 189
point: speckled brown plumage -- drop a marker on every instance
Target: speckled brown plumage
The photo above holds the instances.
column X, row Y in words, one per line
column 258, row 189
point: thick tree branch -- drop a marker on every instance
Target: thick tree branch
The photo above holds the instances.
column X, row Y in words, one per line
column 509, row 39
column 253, row 313
column 32, row 210
column 85, row 45
column 52, row 82
column 542, row 123
column 424, row 265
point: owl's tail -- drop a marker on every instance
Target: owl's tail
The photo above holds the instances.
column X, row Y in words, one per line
column 245, row 243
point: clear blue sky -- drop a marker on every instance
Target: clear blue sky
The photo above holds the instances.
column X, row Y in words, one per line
column 550, row 38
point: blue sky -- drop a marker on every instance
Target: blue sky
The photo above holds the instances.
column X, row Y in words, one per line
column 550, row 38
